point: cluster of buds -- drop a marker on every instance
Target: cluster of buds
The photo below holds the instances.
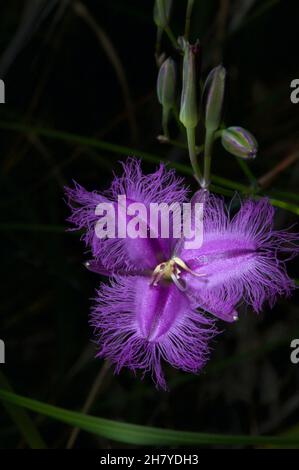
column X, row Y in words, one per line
column 235, row 140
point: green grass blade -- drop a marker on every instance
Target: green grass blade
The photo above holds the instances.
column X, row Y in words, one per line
column 285, row 205
column 140, row 435
column 284, row 195
column 21, row 419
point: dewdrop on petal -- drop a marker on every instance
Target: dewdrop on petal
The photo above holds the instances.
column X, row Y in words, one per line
column 239, row 142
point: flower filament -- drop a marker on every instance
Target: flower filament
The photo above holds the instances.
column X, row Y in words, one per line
column 170, row 271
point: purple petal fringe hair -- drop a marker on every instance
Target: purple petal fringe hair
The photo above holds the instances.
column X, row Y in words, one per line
column 139, row 325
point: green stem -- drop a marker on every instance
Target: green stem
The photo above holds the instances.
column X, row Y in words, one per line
column 171, row 37
column 193, row 154
column 188, row 18
column 158, row 45
column 217, row 134
column 177, row 118
column 209, row 140
column 247, row 172
column 165, row 116
column 176, row 143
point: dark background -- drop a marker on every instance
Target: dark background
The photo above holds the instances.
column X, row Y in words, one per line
column 59, row 76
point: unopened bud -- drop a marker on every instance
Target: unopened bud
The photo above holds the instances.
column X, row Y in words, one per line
column 166, row 83
column 214, row 94
column 239, row 142
column 188, row 111
column 162, row 12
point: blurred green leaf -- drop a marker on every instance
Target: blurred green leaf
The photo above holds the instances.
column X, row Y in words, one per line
column 140, row 435
column 284, row 195
column 123, row 150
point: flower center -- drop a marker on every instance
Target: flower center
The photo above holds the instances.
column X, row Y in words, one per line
column 170, row 271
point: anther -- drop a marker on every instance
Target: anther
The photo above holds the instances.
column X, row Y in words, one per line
column 170, row 271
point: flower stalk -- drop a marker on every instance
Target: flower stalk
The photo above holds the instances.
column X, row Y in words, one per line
column 209, row 141
column 214, row 89
column 188, row 111
column 165, row 118
column 193, row 152
column 188, row 18
column 162, row 10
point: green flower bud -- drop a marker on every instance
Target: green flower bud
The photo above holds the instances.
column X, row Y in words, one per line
column 239, row 142
column 214, row 93
column 162, row 12
column 188, row 111
column 166, row 83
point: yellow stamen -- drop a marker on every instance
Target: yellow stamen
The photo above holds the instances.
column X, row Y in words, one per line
column 170, row 271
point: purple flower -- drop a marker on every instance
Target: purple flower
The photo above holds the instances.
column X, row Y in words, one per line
column 154, row 308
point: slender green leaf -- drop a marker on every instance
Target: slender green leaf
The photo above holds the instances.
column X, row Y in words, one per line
column 284, row 195
column 142, row 435
column 285, row 205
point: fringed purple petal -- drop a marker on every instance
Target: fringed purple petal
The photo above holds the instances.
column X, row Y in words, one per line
column 97, row 267
column 161, row 186
column 138, row 326
column 82, row 204
column 241, row 257
column 118, row 253
column 210, row 301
